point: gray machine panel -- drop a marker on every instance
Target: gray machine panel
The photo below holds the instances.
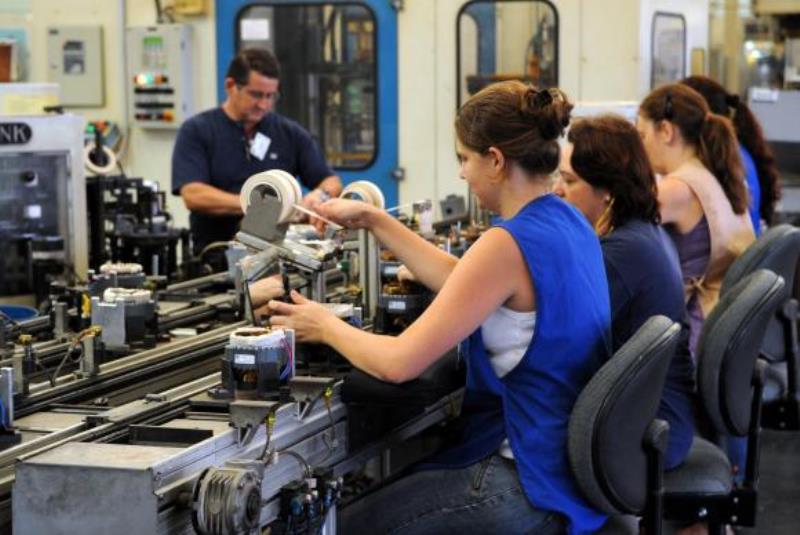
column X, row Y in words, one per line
column 43, row 189
column 33, row 204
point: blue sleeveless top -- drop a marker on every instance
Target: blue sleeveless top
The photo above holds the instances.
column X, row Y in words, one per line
column 531, row 405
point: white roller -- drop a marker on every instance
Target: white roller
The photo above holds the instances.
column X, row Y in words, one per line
column 256, row 337
column 126, row 295
column 121, row 268
column 99, row 169
column 364, row 190
column 274, row 182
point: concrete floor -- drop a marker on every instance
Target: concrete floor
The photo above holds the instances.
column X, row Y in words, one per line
column 779, row 490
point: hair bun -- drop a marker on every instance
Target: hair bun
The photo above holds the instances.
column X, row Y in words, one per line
column 547, row 109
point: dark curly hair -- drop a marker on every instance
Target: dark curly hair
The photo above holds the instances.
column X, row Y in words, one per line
column 608, row 153
column 749, row 134
column 523, row 122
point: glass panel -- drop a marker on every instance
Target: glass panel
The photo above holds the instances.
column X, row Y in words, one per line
column 669, row 49
column 506, row 40
column 328, row 79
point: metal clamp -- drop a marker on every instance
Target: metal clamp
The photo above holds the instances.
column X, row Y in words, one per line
column 247, row 416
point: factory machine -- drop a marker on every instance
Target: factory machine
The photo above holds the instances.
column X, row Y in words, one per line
column 42, row 206
column 275, row 436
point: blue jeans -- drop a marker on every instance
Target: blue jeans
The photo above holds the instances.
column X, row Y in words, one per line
column 485, row 497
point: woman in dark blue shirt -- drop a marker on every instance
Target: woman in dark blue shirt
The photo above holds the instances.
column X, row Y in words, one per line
column 605, row 173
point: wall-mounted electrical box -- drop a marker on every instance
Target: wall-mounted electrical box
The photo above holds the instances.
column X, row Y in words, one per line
column 159, row 75
column 189, row 7
column 75, row 62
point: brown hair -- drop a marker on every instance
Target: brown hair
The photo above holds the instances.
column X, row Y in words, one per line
column 523, row 122
column 259, row 60
column 750, row 135
column 711, row 135
column 608, row 153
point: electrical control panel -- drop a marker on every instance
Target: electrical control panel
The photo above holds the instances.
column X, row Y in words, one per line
column 159, row 75
column 75, row 63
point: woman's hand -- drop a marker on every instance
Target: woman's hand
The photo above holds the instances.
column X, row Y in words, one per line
column 404, row 274
column 265, row 290
column 309, row 319
column 349, row 213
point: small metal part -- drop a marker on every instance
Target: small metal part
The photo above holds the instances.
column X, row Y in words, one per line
column 248, row 415
column 7, row 395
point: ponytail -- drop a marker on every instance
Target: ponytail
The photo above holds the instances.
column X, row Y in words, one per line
column 751, row 136
column 719, row 153
column 711, row 135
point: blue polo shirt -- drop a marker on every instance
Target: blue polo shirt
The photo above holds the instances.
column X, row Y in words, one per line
column 213, row 149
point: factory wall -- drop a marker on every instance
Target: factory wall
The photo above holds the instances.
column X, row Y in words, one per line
column 147, row 152
column 597, row 62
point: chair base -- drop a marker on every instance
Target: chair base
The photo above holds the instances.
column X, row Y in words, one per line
column 737, row 508
column 782, row 414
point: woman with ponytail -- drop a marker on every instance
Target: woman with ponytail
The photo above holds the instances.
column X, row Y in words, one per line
column 702, row 194
column 759, row 163
column 531, row 341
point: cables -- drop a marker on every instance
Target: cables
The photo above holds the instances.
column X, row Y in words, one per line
column 287, row 369
column 75, row 345
column 269, row 423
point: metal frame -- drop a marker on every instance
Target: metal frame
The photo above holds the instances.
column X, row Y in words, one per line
column 656, row 15
column 463, row 10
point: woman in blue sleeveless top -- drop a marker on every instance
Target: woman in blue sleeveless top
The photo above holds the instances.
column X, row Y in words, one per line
column 531, row 300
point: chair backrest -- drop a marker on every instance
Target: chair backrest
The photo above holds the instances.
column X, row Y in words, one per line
column 729, row 345
column 610, row 418
column 777, row 250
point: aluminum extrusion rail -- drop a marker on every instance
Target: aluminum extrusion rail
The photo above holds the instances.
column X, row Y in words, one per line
column 127, row 370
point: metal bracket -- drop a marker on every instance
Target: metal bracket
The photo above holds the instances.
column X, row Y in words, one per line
column 307, row 390
column 261, row 219
column 247, row 416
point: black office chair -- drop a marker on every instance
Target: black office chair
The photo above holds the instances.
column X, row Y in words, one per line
column 778, row 250
column 615, row 444
column 730, row 383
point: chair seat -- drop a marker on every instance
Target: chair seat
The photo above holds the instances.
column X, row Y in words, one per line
column 620, row 525
column 706, row 470
column 775, row 382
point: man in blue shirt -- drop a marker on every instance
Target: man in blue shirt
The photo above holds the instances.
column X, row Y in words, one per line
column 218, row 149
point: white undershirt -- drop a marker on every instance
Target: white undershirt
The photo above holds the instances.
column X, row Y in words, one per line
column 506, row 336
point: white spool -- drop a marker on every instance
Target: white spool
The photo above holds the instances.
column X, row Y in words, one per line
column 274, row 182
column 256, row 337
column 121, row 268
column 366, row 191
column 99, row 169
column 126, row 295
